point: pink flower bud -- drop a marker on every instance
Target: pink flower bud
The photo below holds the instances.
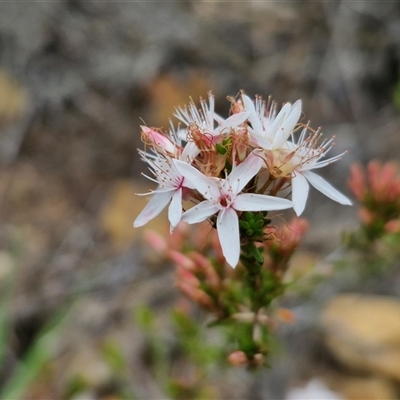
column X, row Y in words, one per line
column 238, row 358
column 285, row 315
column 205, row 266
column 156, row 241
column 187, row 276
column 196, row 295
column 289, row 237
column 155, row 138
column 366, row 216
column 237, row 106
column 357, row 181
column 393, row 226
column 182, row 260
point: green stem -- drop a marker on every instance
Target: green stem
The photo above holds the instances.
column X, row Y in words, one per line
column 253, row 263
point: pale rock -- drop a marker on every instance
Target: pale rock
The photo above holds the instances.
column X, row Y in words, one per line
column 363, row 332
column 314, row 390
column 85, row 396
column 122, row 208
column 369, row 388
column 89, row 365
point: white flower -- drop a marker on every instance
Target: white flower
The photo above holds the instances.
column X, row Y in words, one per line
column 305, row 156
column 269, row 130
column 206, row 118
column 170, row 187
column 223, row 197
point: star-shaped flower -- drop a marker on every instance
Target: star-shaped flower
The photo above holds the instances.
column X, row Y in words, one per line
column 306, row 155
column 207, row 120
column 224, row 197
column 268, row 129
column 171, row 184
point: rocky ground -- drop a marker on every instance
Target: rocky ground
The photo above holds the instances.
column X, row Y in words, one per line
column 76, row 80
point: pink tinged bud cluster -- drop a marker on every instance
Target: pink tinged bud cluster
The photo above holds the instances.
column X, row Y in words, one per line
column 377, row 187
column 379, row 181
column 217, row 164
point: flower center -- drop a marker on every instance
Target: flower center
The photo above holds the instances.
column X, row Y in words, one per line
column 225, row 200
column 280, row 162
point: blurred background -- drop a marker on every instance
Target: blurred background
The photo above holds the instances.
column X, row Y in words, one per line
column 77, row 79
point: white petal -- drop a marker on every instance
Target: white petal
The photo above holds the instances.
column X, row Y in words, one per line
column 234, row 120
column 175, row 208
column 260, row 202
column 241, row 174
column 228, row 234
column 156, row 204
column 288, row 124
column 300, row 189
column 279, row 119
column 208, row 187
column 260, row 141
column 182, row 134
column 326, row 188
column 253, row 117
column 199, row 212
column 189, row 152
column 218, row 119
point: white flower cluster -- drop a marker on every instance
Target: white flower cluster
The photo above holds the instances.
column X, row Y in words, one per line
column 247, row 162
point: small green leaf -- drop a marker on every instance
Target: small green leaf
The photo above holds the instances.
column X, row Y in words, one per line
column 221, row 149
column 244, row 224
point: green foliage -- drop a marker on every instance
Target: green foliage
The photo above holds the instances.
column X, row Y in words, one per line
column 221, row 149
column 39, row 354
column 75, row 386
column 144, row 317
column 189, row 348
column 370, row 255
column 252, row 225
column 191, row 338
column 36, row 358
column 114, row 356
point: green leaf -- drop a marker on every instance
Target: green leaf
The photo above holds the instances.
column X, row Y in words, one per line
column 144, row 317
column 256, row 253
column 37, row 356
column 221, row 149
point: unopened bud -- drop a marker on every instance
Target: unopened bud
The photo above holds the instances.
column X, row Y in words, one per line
column 285, row 315
column 182, row 260
column 195, row 294
column 156, row 241
column 205, row 266
column 152, row 137
column 357, row 181
column 187, row 276
column 238, row 358
column 237, row 106
column 366, row 216
column 393, row 226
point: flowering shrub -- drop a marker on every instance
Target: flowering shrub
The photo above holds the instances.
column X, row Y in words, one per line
column 377, row 189
column 232, row 172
